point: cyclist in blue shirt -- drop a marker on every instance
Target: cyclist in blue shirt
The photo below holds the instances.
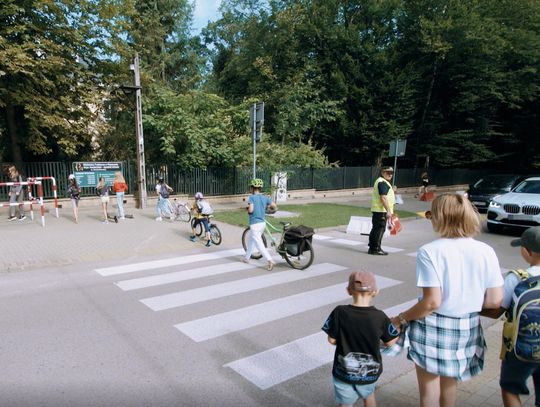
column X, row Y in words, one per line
column 257, row 205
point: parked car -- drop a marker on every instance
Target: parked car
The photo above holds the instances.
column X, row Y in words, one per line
column 482, row 191
column 518, row 208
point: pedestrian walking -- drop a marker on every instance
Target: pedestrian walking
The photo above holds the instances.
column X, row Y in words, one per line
column 517, row 369
column 257, row 205
column 357, row 331
column 103, row 191
column 459, row 276
column 74, row 192
column 119, row 187
column 163, row 205
column 382, row 209
column 16, row 195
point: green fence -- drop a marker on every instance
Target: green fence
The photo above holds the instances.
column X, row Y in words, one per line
column 233, row 181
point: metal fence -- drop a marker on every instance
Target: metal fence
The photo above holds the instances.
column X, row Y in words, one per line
column 233, row 181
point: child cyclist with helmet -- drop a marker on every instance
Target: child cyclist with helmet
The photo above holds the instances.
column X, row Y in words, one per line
column 201, row 210
column 257, row 204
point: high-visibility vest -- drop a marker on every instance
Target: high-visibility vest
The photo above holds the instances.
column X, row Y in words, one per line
column 376, row 204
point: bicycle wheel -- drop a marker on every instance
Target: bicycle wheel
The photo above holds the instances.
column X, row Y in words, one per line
column 215, row 235
column 245, row 238
column 183, row 214
column 303, row 260
column 198, row 228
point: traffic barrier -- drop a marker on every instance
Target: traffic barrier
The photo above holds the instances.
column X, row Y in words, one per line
column 29, row 202
column 54, row 189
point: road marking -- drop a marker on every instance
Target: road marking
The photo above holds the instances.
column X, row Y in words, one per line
column 277, row 365
column 221, row 324
column 391, row 249
column 348, row 242
column 177, row 299
column 413, row 254
column 316, row 236
column 175, row 261
column 162, row 279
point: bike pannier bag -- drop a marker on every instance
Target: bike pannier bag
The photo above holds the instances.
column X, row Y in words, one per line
column 295, row 238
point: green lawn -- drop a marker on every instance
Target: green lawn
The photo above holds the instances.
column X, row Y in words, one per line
column 315, row 215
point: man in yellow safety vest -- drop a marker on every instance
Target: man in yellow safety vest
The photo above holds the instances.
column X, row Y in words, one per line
column 382, row 208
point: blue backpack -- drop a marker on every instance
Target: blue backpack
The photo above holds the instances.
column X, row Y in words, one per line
column 521, row 330
column 164, row 191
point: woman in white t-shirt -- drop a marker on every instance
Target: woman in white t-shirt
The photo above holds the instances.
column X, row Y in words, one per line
column 458, row 276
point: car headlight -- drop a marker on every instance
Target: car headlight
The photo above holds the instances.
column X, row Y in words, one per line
column 494, row 204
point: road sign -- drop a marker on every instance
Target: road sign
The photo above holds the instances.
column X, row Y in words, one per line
column 256, row 119
column 401, row 146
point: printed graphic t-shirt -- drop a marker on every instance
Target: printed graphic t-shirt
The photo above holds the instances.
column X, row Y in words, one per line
column 260, row 202
column 358, row 332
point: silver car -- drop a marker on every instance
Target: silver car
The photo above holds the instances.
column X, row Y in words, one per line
column 518, row 208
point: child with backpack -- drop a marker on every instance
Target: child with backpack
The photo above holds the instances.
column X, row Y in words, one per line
column 201, row 210
column 521, row 336
column 163, row 192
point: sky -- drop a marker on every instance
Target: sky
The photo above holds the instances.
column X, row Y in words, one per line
column 205, row 10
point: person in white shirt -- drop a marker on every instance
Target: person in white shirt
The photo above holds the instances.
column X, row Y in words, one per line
column 459, row 276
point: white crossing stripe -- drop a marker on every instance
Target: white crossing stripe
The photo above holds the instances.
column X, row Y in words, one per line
column 348, row 242
column 177, row 299
column 175, row 261
column 221, row 324
column 412, row 254
column 391, row 249
column 316, row 236
column 277, row 365
column 177, row 276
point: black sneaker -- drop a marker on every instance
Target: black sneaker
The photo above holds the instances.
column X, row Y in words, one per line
column 23, row 217
column 12, row 218
column 378, row 252
column 115, row 219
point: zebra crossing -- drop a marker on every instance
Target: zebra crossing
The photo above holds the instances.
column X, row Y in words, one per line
column 265, row 369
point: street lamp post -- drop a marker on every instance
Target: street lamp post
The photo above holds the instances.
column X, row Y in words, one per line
column 141, row 170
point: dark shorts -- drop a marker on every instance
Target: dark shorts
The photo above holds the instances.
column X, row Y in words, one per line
column 204, row 221
column 514, row 376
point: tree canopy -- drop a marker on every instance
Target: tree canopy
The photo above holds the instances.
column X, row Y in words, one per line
column 340, row 80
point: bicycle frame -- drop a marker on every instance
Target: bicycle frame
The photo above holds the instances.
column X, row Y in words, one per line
column 268, row 231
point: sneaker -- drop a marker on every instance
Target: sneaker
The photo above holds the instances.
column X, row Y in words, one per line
column 23, row 217
column 244, row 260
column 12, row 218
column 105, row 221
column 115, row 219
column 208, row 243
column 270, row 266
column 159, row 218
column 123, row 218
column 193, row 238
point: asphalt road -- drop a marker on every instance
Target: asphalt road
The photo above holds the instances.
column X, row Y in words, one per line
column 136, row 315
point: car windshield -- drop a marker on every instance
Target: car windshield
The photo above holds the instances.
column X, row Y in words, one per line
column 494, row 182
column 528, row 187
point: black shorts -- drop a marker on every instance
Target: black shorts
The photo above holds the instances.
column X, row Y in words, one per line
column 204, row 221
column 515, row 373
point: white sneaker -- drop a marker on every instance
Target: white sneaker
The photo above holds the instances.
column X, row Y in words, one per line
column 159, row 219
column 123, row 218
column 105, row 221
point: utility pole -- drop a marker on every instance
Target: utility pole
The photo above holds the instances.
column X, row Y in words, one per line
column 141, row 169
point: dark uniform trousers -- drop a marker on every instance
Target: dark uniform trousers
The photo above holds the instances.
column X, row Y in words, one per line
column 378, row 222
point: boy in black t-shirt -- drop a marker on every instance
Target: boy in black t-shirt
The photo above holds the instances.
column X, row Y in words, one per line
column 357, row 331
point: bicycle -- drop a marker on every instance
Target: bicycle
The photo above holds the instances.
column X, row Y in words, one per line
column 215, row 233
column 299, row 255
column 179, row 210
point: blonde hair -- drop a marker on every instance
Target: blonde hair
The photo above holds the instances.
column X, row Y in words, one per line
column 453, row 216
column 119, row 177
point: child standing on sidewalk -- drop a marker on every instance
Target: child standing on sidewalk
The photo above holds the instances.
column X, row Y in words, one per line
column 515, row 372
column 357, row 331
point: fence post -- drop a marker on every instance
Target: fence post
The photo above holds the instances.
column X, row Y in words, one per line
column 312, row 178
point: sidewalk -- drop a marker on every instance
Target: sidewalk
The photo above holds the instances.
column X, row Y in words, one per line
column 25, row 245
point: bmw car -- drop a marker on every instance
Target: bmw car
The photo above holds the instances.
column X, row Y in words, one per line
column 519, row 208
column 483, row 190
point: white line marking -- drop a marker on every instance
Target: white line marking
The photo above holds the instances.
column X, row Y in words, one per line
column 177, row 299
column 221, row 324
column 413, row 254
column 316, row 236
column 348, row 242
column 161, row 279
column 175, row 261
column 277, row 365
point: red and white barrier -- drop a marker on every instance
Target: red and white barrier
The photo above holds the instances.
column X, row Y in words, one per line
column 40, row 198
column 54, row 189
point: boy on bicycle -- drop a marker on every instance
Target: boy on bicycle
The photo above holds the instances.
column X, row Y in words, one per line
column 201, row 210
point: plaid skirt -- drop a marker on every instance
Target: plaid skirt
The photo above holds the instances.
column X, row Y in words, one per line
column 448, row 346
